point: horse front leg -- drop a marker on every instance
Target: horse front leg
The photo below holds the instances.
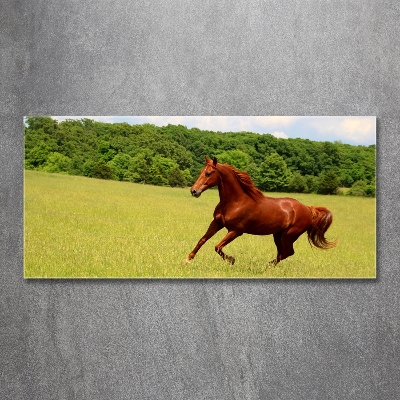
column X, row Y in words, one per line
column 232, row 235
column 211, row 231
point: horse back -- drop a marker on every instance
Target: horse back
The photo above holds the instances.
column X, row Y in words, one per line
column 273, row 215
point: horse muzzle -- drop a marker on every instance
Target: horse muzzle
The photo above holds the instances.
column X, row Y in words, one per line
column 195, row 193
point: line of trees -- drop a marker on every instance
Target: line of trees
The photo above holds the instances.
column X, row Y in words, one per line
column 173, row 155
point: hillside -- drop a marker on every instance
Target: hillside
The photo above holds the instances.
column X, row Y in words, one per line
column 173, row 155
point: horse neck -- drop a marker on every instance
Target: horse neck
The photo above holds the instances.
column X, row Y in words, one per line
column 229, row 187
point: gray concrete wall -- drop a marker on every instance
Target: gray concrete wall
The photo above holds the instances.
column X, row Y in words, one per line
column 200, row 339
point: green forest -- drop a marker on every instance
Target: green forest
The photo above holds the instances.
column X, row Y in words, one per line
column 173, row 155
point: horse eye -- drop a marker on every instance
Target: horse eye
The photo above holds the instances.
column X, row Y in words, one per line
column 207, row 174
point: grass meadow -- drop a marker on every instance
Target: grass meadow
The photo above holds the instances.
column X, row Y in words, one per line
column 77, row 227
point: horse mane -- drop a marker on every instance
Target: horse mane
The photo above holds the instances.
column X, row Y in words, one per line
column 246, row 183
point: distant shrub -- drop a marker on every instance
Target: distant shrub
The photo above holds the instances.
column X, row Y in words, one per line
column 57, row 162
column 361, row 188
column 176, row 177
column 102, row 171
column 328, row 183
column 298, row 184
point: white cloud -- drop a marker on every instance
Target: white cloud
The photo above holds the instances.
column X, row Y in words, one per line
column 160, row 121
column 212, row 123
column 354, row 129
column 357, row 130
column 258, row 124
column 227, row 123
column 280, row 135
column 244, row 123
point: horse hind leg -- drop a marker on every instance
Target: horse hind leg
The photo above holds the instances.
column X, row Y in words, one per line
column 288, row 240
column 284, row 244
column 232, row 235
column 278, row 244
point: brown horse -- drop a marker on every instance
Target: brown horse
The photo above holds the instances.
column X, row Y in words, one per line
column 244, row 209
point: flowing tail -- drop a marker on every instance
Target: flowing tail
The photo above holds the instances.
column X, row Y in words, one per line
column 321, row 221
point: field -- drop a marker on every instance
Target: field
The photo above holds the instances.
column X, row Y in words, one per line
column 77, row 227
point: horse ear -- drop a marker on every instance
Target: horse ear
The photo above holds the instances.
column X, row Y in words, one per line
column 215, row 161
column 207, row 159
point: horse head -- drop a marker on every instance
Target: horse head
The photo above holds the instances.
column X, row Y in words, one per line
column 208, row 177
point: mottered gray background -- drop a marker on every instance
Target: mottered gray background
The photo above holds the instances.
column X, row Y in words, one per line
column 199, row 339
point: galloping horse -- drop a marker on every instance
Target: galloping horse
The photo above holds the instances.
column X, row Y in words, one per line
column 244, row 209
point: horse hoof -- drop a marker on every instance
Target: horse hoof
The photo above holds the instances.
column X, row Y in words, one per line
column 230, row 259
column 271, row 264
column 187, row 261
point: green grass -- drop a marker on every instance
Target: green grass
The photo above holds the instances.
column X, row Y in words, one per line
column 78, row 227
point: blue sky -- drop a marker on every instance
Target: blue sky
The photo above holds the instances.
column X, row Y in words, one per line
column 352, row 130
